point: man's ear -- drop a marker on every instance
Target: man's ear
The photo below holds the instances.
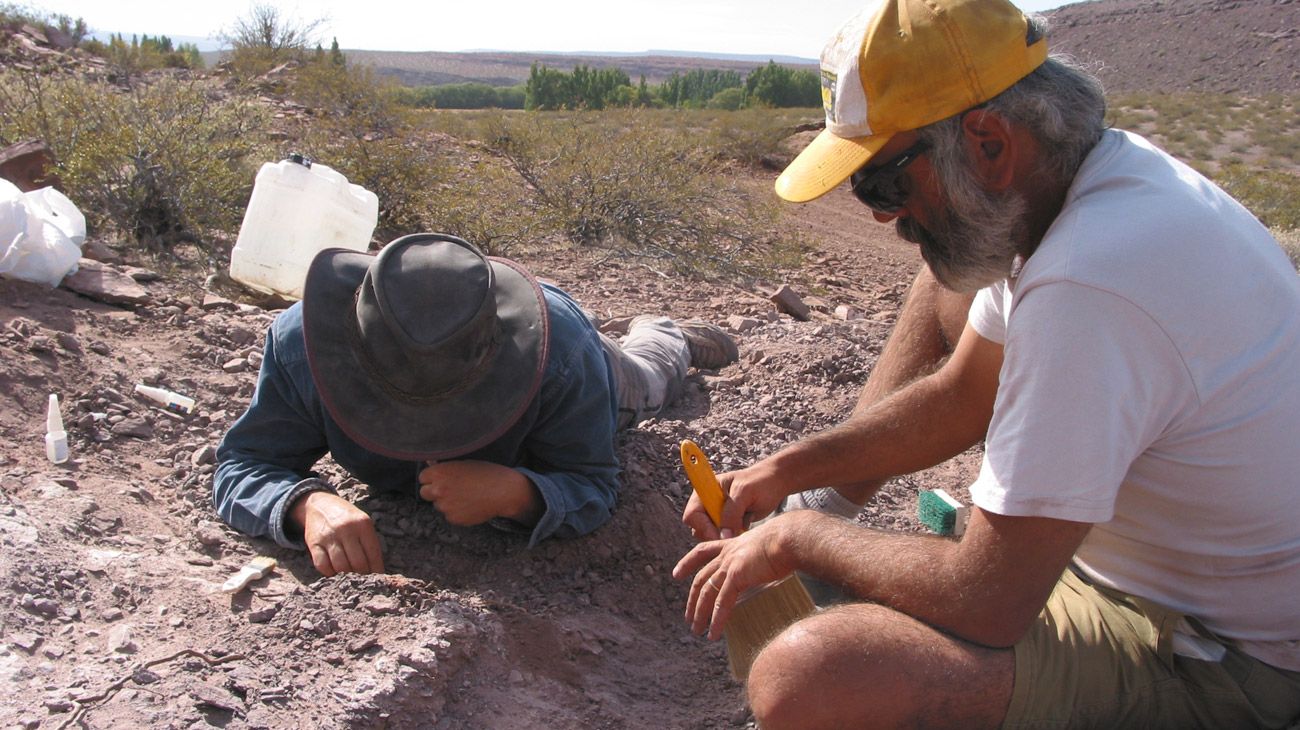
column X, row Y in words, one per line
column 992, row 146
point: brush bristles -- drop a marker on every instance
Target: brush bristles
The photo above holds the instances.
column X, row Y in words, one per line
column 261, row 565
column 758, row 618
column 937, row 510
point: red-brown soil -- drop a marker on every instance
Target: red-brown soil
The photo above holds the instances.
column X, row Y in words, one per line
column 112, row 614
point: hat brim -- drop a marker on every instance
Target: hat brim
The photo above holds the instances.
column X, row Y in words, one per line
column 431, row 429
column 826, row 162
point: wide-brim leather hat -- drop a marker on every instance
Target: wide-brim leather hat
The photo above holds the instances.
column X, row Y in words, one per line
column 429, row 349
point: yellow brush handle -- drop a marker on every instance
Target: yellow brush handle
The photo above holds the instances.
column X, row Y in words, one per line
column 703, row 480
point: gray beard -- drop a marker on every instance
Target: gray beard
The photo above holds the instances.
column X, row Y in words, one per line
column 972, row 246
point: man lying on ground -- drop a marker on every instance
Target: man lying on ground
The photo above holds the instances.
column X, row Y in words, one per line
column 431, row 367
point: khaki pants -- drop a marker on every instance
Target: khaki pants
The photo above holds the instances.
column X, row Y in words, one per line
column 1099, row 658
column 649, row 367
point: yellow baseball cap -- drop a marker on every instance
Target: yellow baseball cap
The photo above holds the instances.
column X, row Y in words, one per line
column 902, row 64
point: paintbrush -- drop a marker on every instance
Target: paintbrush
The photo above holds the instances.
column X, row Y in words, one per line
column 761, row 612
column 256, row 568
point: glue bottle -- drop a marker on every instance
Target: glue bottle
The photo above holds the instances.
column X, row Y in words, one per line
column 174, row 402
column 56, row 439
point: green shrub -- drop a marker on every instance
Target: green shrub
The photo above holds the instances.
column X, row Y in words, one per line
column 352, row 93
column 728, row 99
column 699, row 87
column 161, row 164
column 247, row 63
column 144, row 53
column 774, row 85
column 461, row 96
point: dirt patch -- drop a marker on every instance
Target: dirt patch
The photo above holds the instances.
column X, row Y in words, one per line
column 112, row 563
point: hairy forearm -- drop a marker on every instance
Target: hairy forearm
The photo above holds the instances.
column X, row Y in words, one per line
column 924, row 424
column 929, row 578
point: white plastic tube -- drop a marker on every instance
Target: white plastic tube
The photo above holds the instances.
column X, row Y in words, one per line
column 171, row 401
column 56, row 439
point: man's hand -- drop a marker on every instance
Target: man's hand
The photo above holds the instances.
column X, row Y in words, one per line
column 473, row 492
column 340, row 537
column 725, row 569
column 752, row 494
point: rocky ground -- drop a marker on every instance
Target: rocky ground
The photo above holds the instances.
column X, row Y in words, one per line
column 1154, row 46
column 112, row 615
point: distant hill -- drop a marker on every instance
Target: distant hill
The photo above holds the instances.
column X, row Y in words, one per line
column 1228, row 46
column 1240, row 47
column 504, row 68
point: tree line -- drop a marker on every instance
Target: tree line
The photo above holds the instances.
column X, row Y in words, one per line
column 145, row 52
column 549, row 89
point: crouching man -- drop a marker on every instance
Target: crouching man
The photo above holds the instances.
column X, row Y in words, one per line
column 1131, row 361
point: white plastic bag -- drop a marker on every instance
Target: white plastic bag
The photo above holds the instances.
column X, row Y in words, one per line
column 41, row 233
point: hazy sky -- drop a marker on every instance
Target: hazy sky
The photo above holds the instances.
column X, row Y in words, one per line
column 761, row 27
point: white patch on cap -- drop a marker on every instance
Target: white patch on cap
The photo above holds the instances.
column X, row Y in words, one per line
column 846, row 100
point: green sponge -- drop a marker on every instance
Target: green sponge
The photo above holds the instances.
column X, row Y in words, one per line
column 937, row 510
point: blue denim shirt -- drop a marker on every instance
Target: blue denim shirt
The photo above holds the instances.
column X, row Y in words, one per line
column 564, row 442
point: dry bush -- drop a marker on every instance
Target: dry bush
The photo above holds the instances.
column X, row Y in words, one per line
column 484, row 201
column 359, row 130
column 750, row 135
column 159, row 164
column 1290, row 242
column 1260, row 167
column 266, row 38
column 1185, row 123
column 620, row 182
column 169, row 162
column 1274, row 197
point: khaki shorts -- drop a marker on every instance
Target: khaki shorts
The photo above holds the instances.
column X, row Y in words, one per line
column 1098, row 658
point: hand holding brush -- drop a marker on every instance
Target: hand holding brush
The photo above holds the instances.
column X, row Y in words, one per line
column 739, row 584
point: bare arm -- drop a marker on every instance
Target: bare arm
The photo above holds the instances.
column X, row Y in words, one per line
column 929, row 421
column 986, row 589
column 925, row 423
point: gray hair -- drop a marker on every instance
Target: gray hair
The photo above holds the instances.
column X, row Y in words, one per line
column 1060, row 103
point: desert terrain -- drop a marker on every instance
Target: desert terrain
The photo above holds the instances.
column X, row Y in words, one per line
column 111, row 613
column 112, row 562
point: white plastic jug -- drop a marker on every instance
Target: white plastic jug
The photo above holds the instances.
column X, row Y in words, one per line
column 298, row 208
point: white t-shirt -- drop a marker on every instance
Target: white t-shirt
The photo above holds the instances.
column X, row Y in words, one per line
column 1151, row 385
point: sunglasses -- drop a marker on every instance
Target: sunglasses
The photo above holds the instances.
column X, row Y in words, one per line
column 880, row 188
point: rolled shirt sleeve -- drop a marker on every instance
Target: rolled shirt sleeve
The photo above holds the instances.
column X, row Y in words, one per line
column 265, row 460
column 569, row 451
column 564, row 444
